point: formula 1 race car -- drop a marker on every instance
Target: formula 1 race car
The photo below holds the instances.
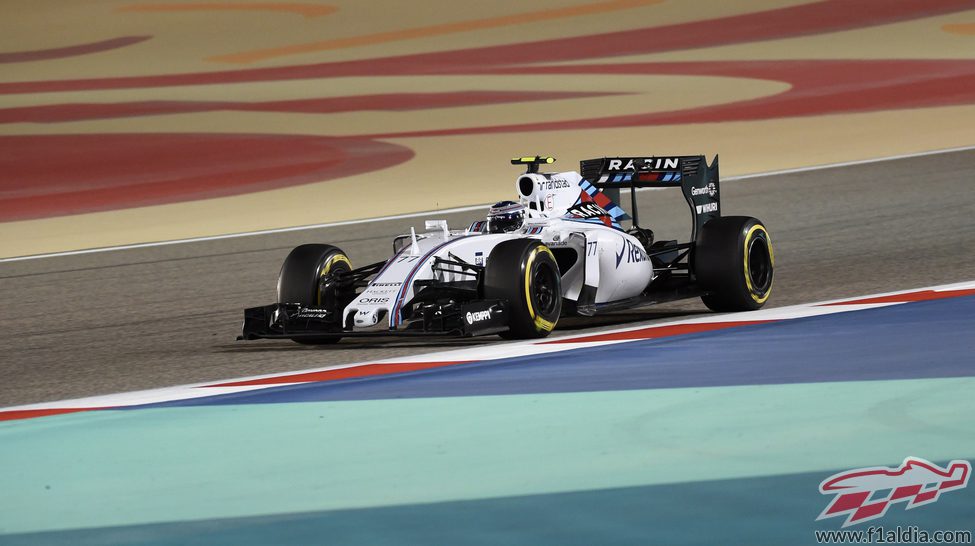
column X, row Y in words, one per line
column 560, row 249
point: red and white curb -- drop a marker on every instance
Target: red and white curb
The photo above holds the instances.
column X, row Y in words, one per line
column 488, row 352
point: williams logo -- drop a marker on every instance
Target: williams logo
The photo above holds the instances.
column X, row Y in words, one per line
column 864, row 494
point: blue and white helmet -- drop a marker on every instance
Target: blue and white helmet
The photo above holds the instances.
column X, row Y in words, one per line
column 505, row 216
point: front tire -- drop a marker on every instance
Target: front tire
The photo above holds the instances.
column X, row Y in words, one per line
column 524, row 273
column 304, row 280
column 734, row 263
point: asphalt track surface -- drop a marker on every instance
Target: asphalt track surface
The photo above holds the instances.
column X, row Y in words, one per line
column 151, row 317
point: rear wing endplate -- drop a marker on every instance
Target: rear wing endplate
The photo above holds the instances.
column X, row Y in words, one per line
column 698, row 180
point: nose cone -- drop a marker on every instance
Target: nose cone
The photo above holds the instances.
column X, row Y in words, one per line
column 366, row 317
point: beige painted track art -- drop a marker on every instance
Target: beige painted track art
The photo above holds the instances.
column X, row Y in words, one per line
column 124, row 122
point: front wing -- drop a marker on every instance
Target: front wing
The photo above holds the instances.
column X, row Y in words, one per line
column 291, row 321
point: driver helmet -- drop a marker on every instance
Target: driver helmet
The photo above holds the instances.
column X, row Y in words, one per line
column 505, row 216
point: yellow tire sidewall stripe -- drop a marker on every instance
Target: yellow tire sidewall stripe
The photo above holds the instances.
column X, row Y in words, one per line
column 748, row 279
column 540, row 323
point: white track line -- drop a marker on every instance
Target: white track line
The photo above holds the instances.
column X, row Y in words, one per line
column 483, row 353
column 238, row 235
column 853, row 163
column 450, row 211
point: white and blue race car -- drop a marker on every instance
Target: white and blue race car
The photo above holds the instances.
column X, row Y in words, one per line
column 560, row 249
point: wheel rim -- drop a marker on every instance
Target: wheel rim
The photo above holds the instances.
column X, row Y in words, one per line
column 326, row 285
column 759, row 264
column 544, row 289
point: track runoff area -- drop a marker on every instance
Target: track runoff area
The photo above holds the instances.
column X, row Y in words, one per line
column 693, row 431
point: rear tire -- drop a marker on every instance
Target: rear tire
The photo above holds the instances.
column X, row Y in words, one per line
column 301, row 281
column 734, row 263
column 524, row 273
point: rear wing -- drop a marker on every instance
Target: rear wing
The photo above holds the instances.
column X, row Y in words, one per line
column 698, row 181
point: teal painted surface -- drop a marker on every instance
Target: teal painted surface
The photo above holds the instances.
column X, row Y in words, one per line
column 777, row 510
column 182, row 464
